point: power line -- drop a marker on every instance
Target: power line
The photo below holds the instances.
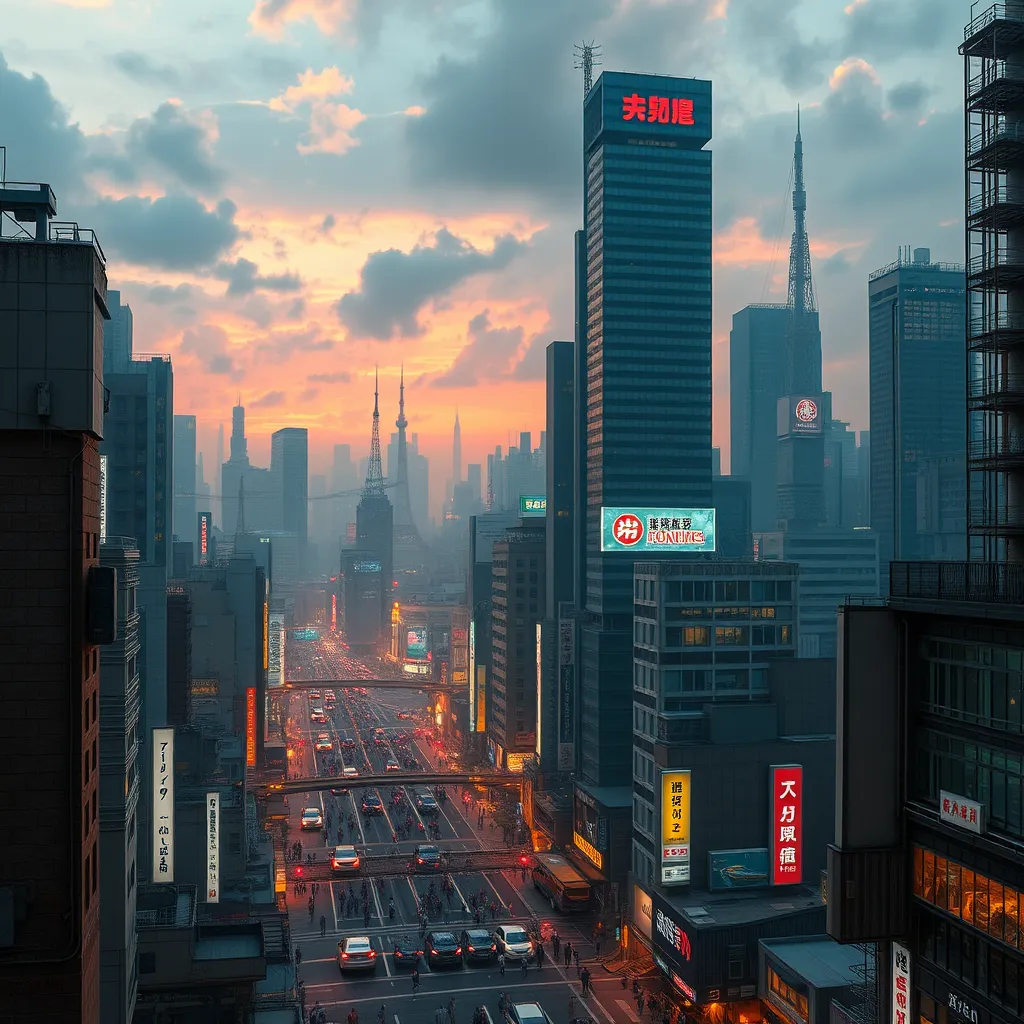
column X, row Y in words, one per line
column 354, row 493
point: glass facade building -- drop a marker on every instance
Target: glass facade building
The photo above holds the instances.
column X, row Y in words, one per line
column 645, row 367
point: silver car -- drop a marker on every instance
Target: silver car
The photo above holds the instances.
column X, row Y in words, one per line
column 513, row 942
column 356, row 953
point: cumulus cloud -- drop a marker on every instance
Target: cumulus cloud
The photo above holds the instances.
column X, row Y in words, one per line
column 209, row 345
column 312, row 86
column 173, row 232
column 270, row 18
column 178, row 141
column 907, row 97
column 490, row 354
column 330, row 124
column 140, row 68
column 394, row 286
column 244, row 278
column 166, row 295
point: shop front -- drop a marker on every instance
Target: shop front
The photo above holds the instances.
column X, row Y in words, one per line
column 600, row 847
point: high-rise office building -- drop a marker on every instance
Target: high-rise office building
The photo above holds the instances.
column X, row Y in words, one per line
column 261, row 505
column 117, row 335
column 289, row 468
column 51, row 421
column 647, row 216
column 186, row 484
column 918, row 376
column 474, row 477
column 120, row 776
column 344, row 482
column 757, row 353
column 320, row 524
column 457, row 452
column 218, row 513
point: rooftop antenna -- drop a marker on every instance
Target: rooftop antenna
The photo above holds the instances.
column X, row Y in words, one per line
column 587, row 58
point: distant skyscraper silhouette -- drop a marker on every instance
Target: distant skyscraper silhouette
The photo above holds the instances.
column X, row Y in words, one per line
column 457, row 453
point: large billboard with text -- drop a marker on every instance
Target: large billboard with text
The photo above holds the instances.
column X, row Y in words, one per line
column 275, row 671
column 647, row 530
column 675, row 827
column 213, row 847
column 787, row 836
column 163, row 805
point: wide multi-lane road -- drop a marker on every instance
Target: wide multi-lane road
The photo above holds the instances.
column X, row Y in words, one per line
column 386, row 909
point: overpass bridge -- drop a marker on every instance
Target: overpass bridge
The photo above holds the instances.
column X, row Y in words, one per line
column 313, row 785
column 409, row 683
column 452, row 861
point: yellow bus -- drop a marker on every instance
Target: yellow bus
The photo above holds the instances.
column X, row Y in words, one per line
column 565, row 888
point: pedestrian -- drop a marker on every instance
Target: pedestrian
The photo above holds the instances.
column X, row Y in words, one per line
column 597, row 945
column 381, row 1014
column 451, row 1010
column 555, row 943
column 501, row 964
column 526, row 965
column 353, row 1017
column 415, row 980
column 440, row 1016
column 640, row 1003
column 540, row 955
column 568, row 953
column 298, row 957
column 323, row 925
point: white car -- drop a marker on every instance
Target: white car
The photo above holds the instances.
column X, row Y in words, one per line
column 323, row 742
column 350, row 773
column 513, row 942
column 312, row 817
column 345, row 858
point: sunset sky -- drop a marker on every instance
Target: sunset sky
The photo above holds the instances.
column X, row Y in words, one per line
column 292, row 191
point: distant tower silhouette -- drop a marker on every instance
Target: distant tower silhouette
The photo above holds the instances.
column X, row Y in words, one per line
column 240, row 521
column 374, row 484
column 403, row 506
column 457, row 453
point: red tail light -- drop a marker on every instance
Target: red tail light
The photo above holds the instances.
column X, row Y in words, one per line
column 471, row 949
column 458, row 952
column 373, row 954
column 344, row 956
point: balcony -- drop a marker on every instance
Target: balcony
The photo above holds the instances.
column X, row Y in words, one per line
column 998, row 150
column 997, row 32
column 1003, row 521
column 997, row 391
column 982, row 582
column 998, row 86
column 996, row 332
column 999, row 268
column 1002, row 452
column 999, row 209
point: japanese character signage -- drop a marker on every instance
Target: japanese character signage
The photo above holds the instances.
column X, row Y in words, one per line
column 959, row 811
column 163, row 805
column 532, row 505
column 963, row 1009
column 900, row 984
column 675, row 827
column 205, row 530
column 657, row 529
column 657, row 109
column 213, row 847
column 786, row 839
column 671, row 939
column 250, row 727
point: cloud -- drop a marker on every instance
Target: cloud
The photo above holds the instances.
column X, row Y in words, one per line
column 313, row 86
column 173, row 232
column 394, row 286
column 892, row 30
column 210, row 346
column 166, row 295
column 491, row 354
column 308, row 394
column 907, row 97
column 330, row 124
column 327, row 223
column 141, row 69
column 282, row 347
column 270, row 18
column 849, row 67
column 297, row 309
column 269, row 400
column 179, row 142
column 244, row 278
column 339, row 377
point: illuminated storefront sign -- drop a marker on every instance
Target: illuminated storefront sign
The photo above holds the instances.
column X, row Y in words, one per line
column 205, row 523
column 800, row 415
column 250, row 726
column 657, row 109
column 266, row 635
column 786, row 844
column 959, row 811
column 163, row 805
column 566, row 694
column 481, row 698
column 672, row 937
column 900, row 984
column 275, row 670
column 675, row 826
column 642, row 918
column 516, row 762
column 416, row 669
column 416, row 643
column 532, row 505
column 213, row 847
column 540, row 692
column 204, row 687
column 591, row 852
column 657, row 529
column 334, row 612
column 472, row 675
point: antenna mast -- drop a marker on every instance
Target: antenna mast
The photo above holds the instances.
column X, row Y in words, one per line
column 587, row 58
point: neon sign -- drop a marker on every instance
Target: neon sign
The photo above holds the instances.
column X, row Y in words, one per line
column 657, row 109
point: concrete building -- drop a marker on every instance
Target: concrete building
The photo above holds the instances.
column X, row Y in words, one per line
column 186, row 483
column 120, row 785
column 835, row 565
column 520, row 472
column 517, row 606
column 289, row 468
column 117, row 335
column 179, row 651
column 320, row 528
column 918, row 385
column 757, row 354
column 52, row 312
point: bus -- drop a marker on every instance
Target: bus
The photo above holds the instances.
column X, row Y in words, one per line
column 565, row 888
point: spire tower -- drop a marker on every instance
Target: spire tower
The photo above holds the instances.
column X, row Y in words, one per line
column 457, row 453
column 403, row 505
column 374, row 484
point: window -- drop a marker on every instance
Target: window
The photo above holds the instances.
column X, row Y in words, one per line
column 795, row 1000
column 147, row 963
column 730, row 636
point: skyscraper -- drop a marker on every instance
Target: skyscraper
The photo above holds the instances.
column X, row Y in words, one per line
column 117, row 336
column 757, row 352
column 263, row 507
column 918, row 381
column 409, row 549
column 185, row 483
column 289, row 469
column 344, row 481
column 219, row 505
column 646, row 363
column 456, row 452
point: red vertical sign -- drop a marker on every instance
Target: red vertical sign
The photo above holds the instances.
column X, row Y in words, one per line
column 334, row 612
column 787, row 840
column 250, row 726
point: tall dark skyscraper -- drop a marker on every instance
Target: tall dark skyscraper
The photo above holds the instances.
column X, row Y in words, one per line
column 918, row 381
column 757, row 354
column 185, row 483
column 410, row 551
column 646, row 361
column 289, row 469
column 456, row 452
column 801, row 415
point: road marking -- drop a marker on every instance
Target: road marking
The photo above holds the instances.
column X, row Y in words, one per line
column 334, row 905
column 410, row 995
column 627, row 1010
column 487, row 1014
column 384, row 956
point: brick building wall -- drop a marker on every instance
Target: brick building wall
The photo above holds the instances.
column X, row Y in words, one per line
column 49, row 732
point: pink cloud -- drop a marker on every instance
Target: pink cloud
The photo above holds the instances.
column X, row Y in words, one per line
column 270, row 18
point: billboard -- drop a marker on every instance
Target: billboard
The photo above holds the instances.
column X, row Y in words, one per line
column 334, row 612
column 657, row 529
column 366, row 566
column 675, row 827
column 540, row 692
column 205, row 531
column 266, row 635
column 213, row 847
column 103, row 499
column 901, row 984
column 250, row 727
column 472, row 675
column 275, row 670
column 738, row 869
column 163, row 805
column 671, row 937
column 642, row 916
column 566, row 694
column 481, row 698
column 787, row 840
column 416, row 643
column 800, row 415
column 532, row 505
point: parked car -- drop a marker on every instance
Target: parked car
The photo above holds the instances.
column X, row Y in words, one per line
column 427, row 858
column 356, row 953
column 478, row 945
column 513, row 942
column 442, row 948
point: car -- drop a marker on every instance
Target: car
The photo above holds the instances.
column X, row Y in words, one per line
column 372, row 804
column 513, row 942
column 527, row 1013
column 330, row 695
column 425, row 802
column 349, row 772
column 348, row 744
column 323, row 742
column 427, row 858
column 478, row 945
column 392, row 765
column 408, row 951
column 314, row 695
column 404, row 715
column 356, row 953
column 339, row 790
column 345, row 859
column 442, row 948
column 312, row 817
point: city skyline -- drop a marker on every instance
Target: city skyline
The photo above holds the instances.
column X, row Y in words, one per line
column 251, row 288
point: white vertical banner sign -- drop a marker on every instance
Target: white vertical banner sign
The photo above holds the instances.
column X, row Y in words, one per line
column 103, row 499
column 540, row 691
column 163, row 805
column 900, row 984
column 213, row 847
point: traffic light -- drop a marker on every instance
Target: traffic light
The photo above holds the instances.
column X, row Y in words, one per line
column 524, row 860
column 298, row 871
